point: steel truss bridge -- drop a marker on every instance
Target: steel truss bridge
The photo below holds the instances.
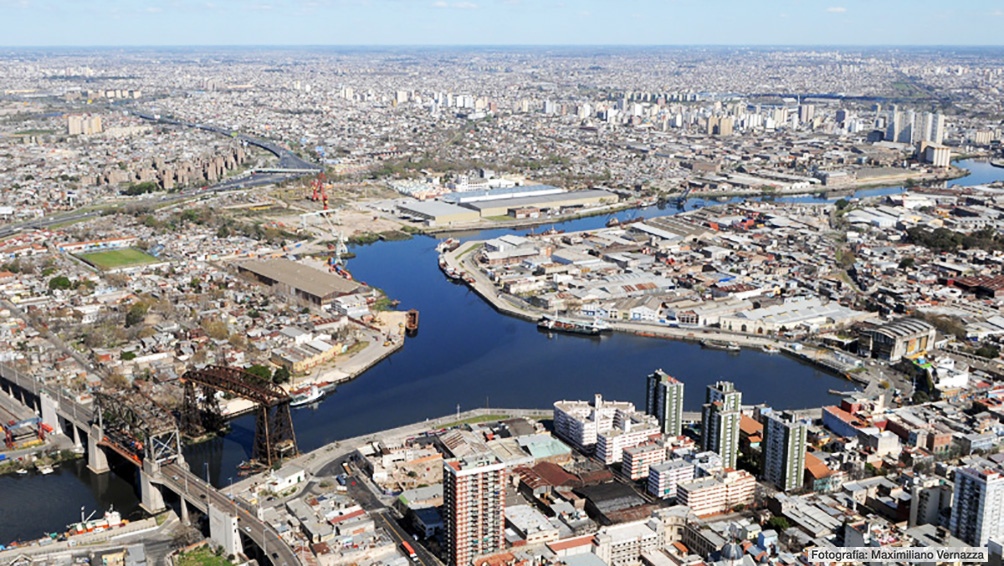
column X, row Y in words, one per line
column 200, row 413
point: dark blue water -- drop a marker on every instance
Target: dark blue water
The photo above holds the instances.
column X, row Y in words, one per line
column 465, row 354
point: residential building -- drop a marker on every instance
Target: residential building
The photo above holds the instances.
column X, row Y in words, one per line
column 473, row 507
column 784, row 451
column 717, row 494
column 664, row 477
column 664, row 401
column 978, row 503
column 581, row 422
column 636, row 460
column 720, row 418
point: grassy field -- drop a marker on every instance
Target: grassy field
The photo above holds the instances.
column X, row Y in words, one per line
column 201, row 557
column 118, row 258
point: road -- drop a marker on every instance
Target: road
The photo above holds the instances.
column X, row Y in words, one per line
column 362, row 492
column 198, row 492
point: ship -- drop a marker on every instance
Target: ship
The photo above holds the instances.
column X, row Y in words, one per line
column 558, row 324
column 111, row 520
column 305, row 396
column 449, row 270
column 411, row 322
column 770, row 349
column 448, row 245
column 713, row 345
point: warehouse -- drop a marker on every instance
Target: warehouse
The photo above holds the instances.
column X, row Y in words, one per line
column 301, row 281
column 502, row 194
column 575, row 199
column 436, row 213
column 901, row 338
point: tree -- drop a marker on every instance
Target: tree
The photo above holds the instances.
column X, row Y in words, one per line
column 260, row 371
column 907, row 263
column 988, row 351
column 215, row 329
column 779, row 524
column 841, row 204
column 136, row 313
column 281, row 375
column 60, row 282
column 116, row 381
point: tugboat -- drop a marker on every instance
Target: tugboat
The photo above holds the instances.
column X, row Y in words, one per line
column 558, row 324
column 411, row 322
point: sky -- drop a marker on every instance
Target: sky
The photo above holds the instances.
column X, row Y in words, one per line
column 500, row 22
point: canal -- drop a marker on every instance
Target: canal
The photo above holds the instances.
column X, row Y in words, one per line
column 465, row 355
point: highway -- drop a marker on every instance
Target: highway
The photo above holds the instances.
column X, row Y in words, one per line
column 197, row 492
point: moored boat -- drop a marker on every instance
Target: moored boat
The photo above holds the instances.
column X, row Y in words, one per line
column 306, row 396
column 572, row 326
column 411, row 321
column 770, row 349
column 448, row 245
column 110, row 520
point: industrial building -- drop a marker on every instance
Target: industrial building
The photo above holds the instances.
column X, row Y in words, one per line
column 592, row 197
column 502, row 194
column 436, row 213
column 301, row 281
column 900, row 338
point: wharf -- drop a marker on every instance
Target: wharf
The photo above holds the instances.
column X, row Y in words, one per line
column 462, row 260
column 89, row 541
column 389, row 323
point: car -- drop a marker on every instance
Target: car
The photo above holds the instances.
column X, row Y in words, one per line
column 175, row 478
column 247, row 529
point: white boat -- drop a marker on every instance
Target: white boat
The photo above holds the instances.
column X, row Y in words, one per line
column 305, row 397
column 45, row 470
column 770, row 349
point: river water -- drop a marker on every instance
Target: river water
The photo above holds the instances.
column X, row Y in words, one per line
column 465, row 355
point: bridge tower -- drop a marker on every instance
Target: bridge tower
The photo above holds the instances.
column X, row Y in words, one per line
column 274, row 438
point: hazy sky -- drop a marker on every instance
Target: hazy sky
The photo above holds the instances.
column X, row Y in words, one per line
column 501, row 22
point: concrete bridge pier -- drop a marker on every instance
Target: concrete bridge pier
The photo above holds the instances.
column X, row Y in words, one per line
column 77, row 445
column 97, row 460
column 151, row 498
column 184, row 512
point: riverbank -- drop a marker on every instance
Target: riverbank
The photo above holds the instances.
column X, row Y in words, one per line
column 383, row 337
column 462, row 261
column 34, row 463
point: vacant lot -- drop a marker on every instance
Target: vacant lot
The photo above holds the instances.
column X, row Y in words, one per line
column 118, row 258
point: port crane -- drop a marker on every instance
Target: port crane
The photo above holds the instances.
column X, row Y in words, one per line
column 320, row 190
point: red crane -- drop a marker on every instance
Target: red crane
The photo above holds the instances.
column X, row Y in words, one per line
column 318, row 185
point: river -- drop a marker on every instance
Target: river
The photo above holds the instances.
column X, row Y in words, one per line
column 465, row 355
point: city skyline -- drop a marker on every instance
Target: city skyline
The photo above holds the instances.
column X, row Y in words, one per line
column 115, row 23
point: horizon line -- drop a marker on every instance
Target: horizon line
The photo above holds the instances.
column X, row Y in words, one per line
column 518, row 45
